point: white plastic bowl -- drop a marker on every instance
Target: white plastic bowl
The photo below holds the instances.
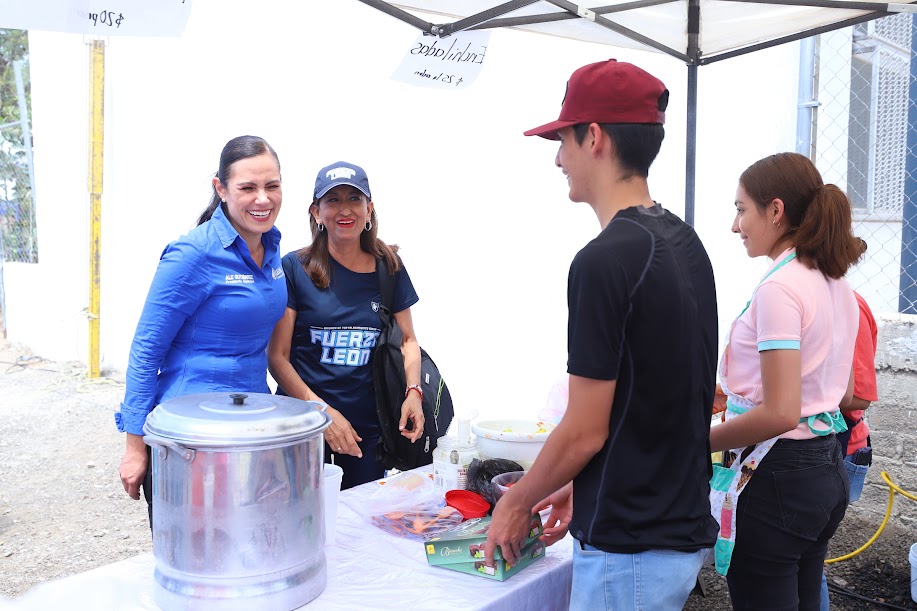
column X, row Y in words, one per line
column 516, row 440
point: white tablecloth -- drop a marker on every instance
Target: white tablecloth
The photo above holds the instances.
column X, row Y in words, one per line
column 367, row 568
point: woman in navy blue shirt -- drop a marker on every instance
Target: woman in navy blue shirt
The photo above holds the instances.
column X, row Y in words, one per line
column 322, row 347
column 216, row 295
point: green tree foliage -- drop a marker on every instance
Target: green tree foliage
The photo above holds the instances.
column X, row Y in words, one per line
column 14, row 46
column 17, row 210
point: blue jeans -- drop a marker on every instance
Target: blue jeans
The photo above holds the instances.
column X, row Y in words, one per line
column 655, row 580
column 825, row 601
column 787, row 513
column 856, row 474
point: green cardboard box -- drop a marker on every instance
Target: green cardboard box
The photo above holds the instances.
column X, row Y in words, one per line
column 465, row 542
column 502, row 571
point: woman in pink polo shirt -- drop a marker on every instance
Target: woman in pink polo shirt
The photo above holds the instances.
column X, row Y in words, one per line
column 786, row 370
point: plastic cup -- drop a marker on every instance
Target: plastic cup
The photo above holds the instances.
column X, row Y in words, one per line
column 505, row 480
column 333, row 476
column 913, row 558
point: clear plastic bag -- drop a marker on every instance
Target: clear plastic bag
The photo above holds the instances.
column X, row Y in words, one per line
column 556, row 405
column 482, row 472
column 407, row 506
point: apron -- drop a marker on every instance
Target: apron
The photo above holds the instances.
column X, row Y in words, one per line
column 728, row 482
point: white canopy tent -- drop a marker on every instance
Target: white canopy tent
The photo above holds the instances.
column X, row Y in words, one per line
column 697, row 32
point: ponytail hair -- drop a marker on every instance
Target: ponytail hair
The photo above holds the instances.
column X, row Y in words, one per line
column 215, row 201
column 824, row 239
column 818, row 215
column 240, row 147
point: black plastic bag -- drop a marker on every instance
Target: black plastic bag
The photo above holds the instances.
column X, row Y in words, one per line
column 480, row 472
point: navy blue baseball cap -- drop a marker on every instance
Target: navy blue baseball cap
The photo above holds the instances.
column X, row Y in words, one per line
column 341, row 173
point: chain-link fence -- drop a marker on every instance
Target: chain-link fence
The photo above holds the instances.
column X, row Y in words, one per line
column 18, row 235
column 18, row 231
column 864, row 139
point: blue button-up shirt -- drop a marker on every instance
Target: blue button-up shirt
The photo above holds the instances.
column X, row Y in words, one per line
column 206, row 321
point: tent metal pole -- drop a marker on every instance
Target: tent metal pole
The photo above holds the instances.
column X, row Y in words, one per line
column 509, row 22
column 479, row 18
column 907, row 282
column 884, row 7
column 96, row 148
column 691, row 128
column 691, row 145
column 408, row 18
column 617, row 28
column 709, row 59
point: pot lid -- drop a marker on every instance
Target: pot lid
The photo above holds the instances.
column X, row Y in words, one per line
column 222, row 419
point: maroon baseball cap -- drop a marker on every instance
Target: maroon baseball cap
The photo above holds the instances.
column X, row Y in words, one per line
column 609, row 92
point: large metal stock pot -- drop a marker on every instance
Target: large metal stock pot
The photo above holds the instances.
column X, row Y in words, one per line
column 237, row 501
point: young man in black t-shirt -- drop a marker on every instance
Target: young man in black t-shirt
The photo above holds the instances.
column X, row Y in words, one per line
column 630, row 461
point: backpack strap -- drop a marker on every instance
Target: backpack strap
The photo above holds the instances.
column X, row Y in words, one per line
column 386, row 284
column 387, row 448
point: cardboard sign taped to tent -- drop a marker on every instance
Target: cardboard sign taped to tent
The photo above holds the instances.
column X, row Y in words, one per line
column 453, row 62
column 98, row 17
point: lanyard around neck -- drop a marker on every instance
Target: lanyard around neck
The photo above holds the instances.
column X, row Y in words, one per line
column 785, row 260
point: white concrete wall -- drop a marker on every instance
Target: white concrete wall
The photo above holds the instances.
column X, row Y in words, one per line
column 480, row 211
column 44, row 301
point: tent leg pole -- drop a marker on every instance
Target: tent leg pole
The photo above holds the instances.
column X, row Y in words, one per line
column 96, row 134
column 907, row 279
column 691, row 145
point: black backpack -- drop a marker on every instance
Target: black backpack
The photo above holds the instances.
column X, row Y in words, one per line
column 388, row 376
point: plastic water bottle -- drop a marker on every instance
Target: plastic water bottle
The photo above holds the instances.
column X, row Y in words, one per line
column 452, row 457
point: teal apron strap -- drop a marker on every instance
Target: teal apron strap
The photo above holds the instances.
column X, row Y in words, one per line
column 833, row 421
column 785, row 260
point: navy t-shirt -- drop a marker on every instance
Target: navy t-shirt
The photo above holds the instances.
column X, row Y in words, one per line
column 335, row 335
column 643, row 313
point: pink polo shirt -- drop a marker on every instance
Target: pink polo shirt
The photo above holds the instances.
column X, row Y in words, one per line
column 797, row 308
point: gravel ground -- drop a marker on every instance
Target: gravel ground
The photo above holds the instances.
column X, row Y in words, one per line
column 881, row 573
column 63, row 510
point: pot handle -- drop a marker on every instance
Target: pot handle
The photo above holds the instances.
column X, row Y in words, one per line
column 162, row 446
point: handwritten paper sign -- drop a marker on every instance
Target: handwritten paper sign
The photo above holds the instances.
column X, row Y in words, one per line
column 453, row 62
column 98, row 17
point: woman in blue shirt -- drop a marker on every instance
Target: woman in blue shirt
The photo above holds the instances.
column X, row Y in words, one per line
column 216, row 295
column 322, row 347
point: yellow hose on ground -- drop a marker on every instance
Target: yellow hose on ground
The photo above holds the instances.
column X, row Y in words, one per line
column 892, row 488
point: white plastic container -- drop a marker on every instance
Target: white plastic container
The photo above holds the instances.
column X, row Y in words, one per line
column 516, row 440
column 913, row 558
column 451, row 459
column 333, row 476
